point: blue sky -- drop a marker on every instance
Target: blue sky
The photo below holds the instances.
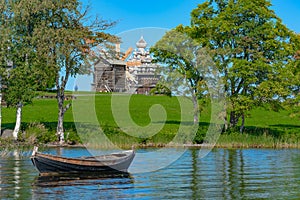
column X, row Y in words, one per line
column 139, row 13
column 134, row 18
column 169, row 13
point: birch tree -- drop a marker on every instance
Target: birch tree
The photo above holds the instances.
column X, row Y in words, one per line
column 19, row 90
column 12, row 54
column 181, row 71
column 5, row 31
column 22, row 71
column 49, row 42
column 65, row 38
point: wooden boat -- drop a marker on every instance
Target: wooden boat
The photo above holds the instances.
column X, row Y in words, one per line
column 47, row 164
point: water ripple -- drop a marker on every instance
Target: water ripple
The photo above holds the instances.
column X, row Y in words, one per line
column 223, row 174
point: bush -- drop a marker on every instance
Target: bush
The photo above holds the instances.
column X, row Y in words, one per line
column 200, row 135
column 72, row 138
column 161, row 90
column 38, row 133
column 33, row 131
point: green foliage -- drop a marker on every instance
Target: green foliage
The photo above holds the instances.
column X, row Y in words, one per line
column 70, row 38
column 201, row 133
column 72, row 138
column 294, row 71
column 179, row 55
column 160, row 89
column 19, row 86
column 187, row 68
column 46, row 138
column 47, row 42
column 251, row 48
column 21, row 71
column 37, row 133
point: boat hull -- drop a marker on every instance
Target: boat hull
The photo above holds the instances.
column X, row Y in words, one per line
column 47, row 164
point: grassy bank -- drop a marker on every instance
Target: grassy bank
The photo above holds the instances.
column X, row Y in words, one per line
column 263, row 128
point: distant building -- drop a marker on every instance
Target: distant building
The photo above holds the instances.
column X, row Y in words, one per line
column 109, row 76
column 142, row 71
column 133, row 73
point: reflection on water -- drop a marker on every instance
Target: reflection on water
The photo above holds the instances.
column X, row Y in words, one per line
column 82, row 186
column 74, row 179
column 14, row 176
column 16, row 173
column 223, row 174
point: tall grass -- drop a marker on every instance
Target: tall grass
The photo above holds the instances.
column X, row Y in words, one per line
column 237, row 140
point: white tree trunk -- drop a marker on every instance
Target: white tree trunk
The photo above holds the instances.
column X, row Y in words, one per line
column 60, row 129
column 196, row 109
column 18, row 121
column 60, row 123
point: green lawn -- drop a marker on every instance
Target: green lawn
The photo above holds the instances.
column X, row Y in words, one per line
column 261, row 125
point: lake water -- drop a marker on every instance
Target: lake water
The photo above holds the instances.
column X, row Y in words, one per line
column 222, row 174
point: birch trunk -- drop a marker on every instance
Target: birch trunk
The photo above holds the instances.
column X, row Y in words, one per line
column 61, row 113
column 60, row 122
column 196, row 109
column 18, row 121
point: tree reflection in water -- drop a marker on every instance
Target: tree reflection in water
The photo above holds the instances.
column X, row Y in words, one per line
column 222, row 174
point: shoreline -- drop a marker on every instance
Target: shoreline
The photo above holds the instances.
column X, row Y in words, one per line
column 224, row 145
column 198, row 146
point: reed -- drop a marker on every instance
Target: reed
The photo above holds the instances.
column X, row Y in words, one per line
column 237, row 140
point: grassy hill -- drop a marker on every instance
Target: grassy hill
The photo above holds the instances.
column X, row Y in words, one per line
column 263, row 128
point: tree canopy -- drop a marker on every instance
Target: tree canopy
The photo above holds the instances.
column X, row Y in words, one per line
column 49, row 42
column 22, row 71
column 251, row 47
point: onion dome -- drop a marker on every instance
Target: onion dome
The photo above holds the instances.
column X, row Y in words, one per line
column 141, row 44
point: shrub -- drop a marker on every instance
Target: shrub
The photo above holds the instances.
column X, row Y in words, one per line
column 38, row 133
column 72, row 138
column 34, row 131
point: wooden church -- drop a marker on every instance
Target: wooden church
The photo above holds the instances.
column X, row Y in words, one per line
column 133, row 73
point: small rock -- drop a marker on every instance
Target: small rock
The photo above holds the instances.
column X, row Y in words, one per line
column 7, row 133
